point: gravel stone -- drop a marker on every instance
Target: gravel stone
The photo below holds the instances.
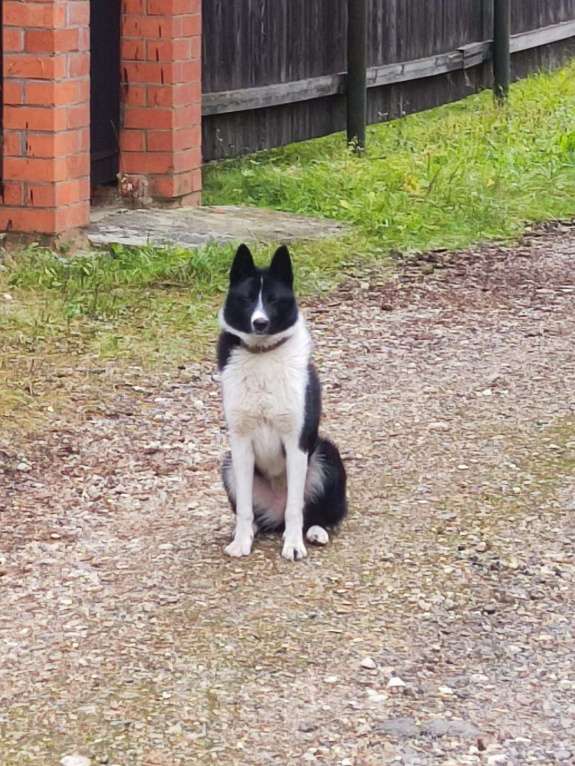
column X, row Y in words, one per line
column 441, row 727
column 307, row 726
column 398, row 727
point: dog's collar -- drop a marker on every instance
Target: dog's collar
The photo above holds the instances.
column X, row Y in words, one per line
column 263, row 349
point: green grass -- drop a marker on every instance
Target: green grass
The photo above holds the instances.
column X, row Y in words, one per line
column 457, row 175
column 447, row 178
column 146, row 307
column 135, row 302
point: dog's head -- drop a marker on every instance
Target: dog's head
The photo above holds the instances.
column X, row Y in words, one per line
column 260, row 302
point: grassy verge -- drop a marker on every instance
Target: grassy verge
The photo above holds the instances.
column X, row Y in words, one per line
column 446, row 178
column 63, row 320
column 459, row 174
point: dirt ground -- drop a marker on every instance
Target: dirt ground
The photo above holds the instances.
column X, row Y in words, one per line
column 437, row 628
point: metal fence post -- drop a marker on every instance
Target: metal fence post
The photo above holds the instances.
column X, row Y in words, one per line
column 356, row 72
column 501, row 48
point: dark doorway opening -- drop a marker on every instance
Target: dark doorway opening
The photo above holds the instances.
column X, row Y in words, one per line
column 1, row 106
column 105, row 19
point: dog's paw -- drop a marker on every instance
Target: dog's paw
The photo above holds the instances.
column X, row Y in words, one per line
column 240, row 546
column 294, row 549
column 317, row 535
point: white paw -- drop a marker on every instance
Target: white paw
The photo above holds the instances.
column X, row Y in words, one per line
column 317, row 535
column 240, row 546
column 294, row 549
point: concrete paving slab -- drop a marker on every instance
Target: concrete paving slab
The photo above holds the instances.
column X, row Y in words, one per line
column 196, row 226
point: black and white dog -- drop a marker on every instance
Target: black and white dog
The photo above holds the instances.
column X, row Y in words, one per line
column 280, row 475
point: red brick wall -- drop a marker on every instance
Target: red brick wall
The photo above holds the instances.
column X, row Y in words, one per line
column 46, row 115
column 47, row 108
column 160, row 140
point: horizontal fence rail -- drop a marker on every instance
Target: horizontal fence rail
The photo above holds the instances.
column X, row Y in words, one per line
column 465, row 57
column 239, row 107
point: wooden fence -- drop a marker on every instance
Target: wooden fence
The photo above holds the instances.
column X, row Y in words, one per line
column 274, row 70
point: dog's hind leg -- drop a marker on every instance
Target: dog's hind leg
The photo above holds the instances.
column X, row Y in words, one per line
column 268, row 501
column 325, row 493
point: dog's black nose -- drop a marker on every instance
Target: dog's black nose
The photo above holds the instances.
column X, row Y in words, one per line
column 260, row 325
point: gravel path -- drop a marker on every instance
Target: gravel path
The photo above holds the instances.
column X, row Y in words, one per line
column 437, row 628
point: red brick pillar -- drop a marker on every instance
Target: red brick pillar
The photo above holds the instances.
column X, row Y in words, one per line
column 160, row 142
column 46, row 115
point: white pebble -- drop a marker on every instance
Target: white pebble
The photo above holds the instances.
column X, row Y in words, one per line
column 376, row 697
column 368, row 663
column 75, row 760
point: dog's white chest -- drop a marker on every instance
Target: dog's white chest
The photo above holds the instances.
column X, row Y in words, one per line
column 263, row 392
column 266, row 392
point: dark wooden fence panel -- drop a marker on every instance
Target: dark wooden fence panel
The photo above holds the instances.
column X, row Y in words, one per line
column 394, row 101
column 248, row 43
column 532, row 14
column 231, row 135
column 416, row 29
column 401, row 30
column 263, row 58
column 542, row 59
column 251, row 43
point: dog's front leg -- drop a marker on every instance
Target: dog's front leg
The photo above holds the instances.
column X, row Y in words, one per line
column 243, row 466
column 293, row 547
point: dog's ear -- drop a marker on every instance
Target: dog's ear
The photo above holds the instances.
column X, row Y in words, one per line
column 280, row 267
column 243, row 265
